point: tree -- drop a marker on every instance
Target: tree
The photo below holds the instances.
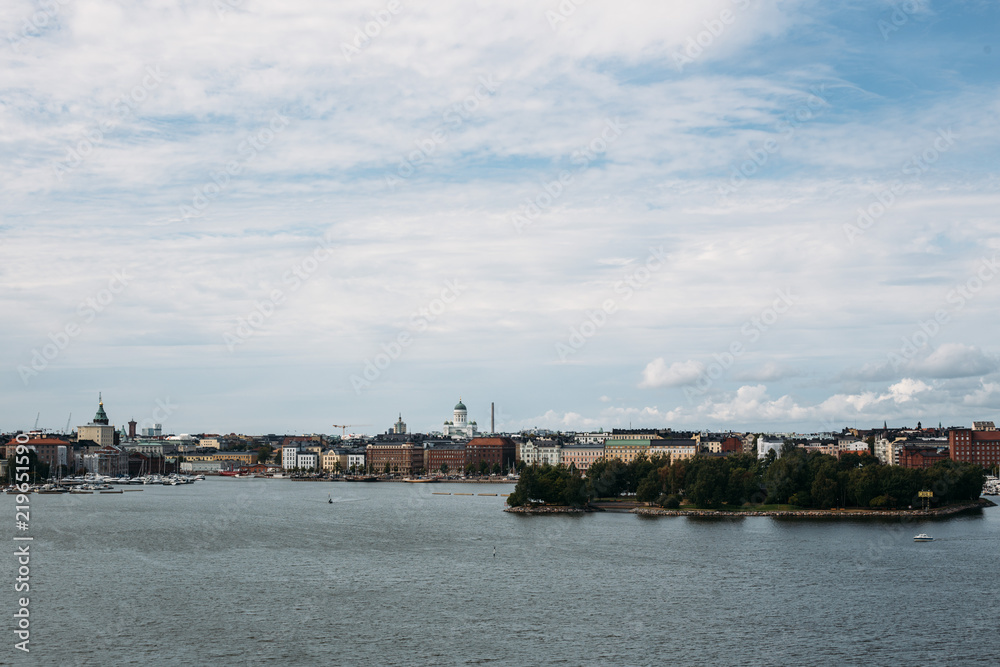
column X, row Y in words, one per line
column 264, row 454
column 649, row 488
column 444, row 468
column 387, row 468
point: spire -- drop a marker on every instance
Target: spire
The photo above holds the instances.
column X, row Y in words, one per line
column 101, row 417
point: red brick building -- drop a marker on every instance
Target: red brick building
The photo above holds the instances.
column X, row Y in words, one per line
column 53, row 451
column 450, row 454
column 912, row 456
column 732, row 445
column 404, row 458
column 490, row 450
column 972, row 446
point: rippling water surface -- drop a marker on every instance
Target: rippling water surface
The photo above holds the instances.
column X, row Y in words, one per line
column 267, row 572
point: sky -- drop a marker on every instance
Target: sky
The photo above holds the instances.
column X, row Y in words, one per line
column 272, row 217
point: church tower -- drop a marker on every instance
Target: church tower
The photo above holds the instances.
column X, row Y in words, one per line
column 101, row 417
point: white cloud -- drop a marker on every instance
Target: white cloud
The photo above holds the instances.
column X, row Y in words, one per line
column 949, row 360
column 987, row 396
column 658, row 374
column 352, row 123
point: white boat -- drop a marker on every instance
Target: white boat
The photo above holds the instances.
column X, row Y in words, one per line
column 923, row 537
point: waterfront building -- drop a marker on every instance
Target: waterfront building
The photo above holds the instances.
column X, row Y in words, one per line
column 450, row 454
column 540, row 452
column 676, row 449
column 304, row 461
column 246, row 458
column 459, row 426
column 329, row 459
column 400, row 457
column 201, row 467
column 54, row 451
column 355, row 460
column 99, row 430
column 582, row 456
column 289, row 457
column 975, row 446
column 491, row 450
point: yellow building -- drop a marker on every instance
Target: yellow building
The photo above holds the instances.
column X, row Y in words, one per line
column 675, row 450
column 626, row 449
column 246, row 458
column 330, row 458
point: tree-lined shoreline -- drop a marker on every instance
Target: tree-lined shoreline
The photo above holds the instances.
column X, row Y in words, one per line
column 796, row 481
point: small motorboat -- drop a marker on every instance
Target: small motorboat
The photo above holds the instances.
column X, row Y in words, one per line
column 330, row 499
column 923, row 537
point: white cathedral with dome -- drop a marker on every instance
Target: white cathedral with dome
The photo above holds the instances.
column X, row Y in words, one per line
column 460, row 426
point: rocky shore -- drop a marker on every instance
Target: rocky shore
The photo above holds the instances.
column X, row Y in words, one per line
column 546, row 509
column 822, row 514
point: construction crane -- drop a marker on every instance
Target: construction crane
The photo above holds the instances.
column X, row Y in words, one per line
column 343, row 428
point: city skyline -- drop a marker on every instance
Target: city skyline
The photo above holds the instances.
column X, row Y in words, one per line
column 165, row 409
column 760, row 215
